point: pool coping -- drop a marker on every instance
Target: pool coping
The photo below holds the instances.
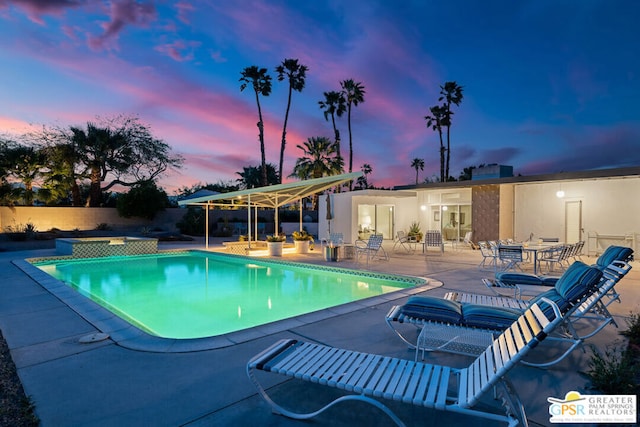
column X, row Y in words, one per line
column 131, row 337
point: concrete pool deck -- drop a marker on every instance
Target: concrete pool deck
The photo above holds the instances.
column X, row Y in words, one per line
column 104, row 384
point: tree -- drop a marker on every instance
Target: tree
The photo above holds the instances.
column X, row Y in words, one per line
column 450, row 93
column 143, row 200
column 295, row 73
column 435, row 122
column 334, row 105
column 261, row 83
column 354, row 94
column 362, row 183
column 25, row 165
column 319, row 159
column 417, row 164
column 251, row 176
column 119, row 151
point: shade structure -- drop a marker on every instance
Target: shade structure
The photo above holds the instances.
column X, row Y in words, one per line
column 271, row 196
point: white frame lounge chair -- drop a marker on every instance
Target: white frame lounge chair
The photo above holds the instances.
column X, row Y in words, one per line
column 512, row 284
column 370, row 377
column 459, row 328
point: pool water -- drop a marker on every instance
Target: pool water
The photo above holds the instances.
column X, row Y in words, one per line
column 198, row 294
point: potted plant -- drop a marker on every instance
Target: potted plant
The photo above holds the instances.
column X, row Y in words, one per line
column 415, row 231
column 302, row 240
column 275, row 243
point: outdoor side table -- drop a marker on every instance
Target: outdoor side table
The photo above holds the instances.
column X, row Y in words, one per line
column 348, row 251
column 453, row 339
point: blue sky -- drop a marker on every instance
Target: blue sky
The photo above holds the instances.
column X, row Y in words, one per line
column 548, row 86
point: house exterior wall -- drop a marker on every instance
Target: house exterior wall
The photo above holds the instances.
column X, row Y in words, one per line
column 610, row 211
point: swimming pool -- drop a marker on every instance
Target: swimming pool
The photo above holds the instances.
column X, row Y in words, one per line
column 198, row 294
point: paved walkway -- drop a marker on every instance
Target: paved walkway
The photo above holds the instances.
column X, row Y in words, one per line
column 105, row 384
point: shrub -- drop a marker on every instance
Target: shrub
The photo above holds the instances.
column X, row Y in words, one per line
column 615, row 372
column 192, row 223
column 143, row 200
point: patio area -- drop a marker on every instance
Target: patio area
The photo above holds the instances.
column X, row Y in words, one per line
column 104, row 384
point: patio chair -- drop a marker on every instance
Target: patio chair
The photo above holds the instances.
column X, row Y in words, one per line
column 334, row 239
column 408, row 243
column 371, row 377
column 558, row 255
column 371, row 248
column 488, row 255
column 433, row 239
column 511, row 256
column 458, row 328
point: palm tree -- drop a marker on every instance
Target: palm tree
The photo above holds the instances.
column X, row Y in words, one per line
column 435, row 122
column 261, row 83
column 296, row 74
column 334, row 105
column 450, row 93
column 25, row 164
column 362, row 182
column 319, row 159
column 417, row 164
column 251, row 176
column 354, row 94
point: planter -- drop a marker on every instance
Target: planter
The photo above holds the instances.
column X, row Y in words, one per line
column 275, row 248
column 302, row 246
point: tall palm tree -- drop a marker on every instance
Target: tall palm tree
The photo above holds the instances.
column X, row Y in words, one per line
column 435, row 122
column 417, row 164
column 334, row 105
column 261, row 83
column 295, row 73
column 450, row 93
column 319, row 159
column 354, row 94
column 362, row 182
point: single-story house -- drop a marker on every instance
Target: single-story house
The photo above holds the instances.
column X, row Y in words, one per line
column 601, row 207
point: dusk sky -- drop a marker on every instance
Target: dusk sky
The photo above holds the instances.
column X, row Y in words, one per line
column 549, row 85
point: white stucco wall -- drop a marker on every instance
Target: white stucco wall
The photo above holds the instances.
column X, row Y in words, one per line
column 610, row 207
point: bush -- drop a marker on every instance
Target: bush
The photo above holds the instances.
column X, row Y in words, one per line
column 192, row 223
column 144, row 200
column 615, row 372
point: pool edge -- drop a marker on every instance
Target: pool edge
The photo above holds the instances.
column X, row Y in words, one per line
column 131, row 337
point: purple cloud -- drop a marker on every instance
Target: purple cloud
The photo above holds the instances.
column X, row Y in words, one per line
column 35, row 9
column 123, row 13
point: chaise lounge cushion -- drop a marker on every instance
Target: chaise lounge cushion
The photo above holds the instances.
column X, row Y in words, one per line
column 435, row 309
column 487, row 317
column 510, row 278
column 613, row 253
column 577, row 281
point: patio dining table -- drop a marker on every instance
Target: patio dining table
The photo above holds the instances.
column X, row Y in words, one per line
column 535, row 248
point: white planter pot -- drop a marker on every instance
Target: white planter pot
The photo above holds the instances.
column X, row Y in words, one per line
column 275, row 248
column 302, row 246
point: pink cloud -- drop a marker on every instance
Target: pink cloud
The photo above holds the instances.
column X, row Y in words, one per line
column 179, row 50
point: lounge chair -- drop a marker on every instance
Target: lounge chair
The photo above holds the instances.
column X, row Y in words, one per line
column 593, row 308
column 371, row 248
column 408, row 243
column 512, row 284
column 454, row 326
column 370, row 377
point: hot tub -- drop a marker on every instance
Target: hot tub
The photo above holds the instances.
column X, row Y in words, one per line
column 93, row 247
